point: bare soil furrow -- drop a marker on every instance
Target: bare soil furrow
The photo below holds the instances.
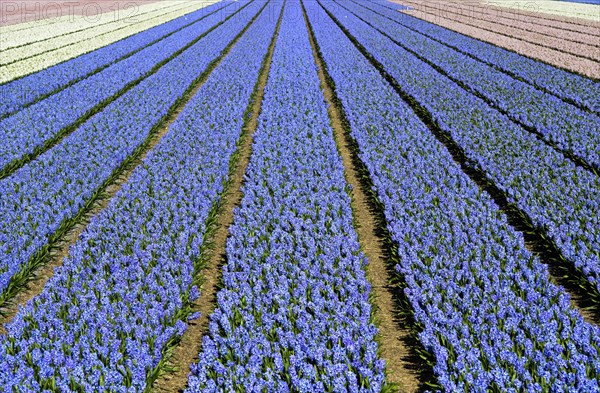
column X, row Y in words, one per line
column 403, row 370
column 187, row 350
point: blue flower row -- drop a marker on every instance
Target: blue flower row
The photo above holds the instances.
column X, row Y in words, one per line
column 571, row 87
column 557, row 195
column 103, row 321
column 486, row 308
column 23, row 91
column 294, row 313
column 569, row 127
column 42, row 197
column 33, row 127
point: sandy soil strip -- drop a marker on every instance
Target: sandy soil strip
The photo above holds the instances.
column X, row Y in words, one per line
column 39, row 62
column 186, row 352
column 29, row 36
column 393, row 338
column 556, row 58
column 21, row 14
column 580, row 50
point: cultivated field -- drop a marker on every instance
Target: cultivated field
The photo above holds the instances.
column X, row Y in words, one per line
column 300, row 196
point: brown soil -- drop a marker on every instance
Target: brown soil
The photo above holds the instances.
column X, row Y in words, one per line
column 392, row 337
column 22, row 11
column 188, row 349
column 579, row 301
column 555, row 57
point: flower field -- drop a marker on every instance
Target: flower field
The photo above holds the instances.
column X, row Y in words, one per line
column 297, row 196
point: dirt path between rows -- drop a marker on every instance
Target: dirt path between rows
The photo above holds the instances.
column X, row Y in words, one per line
column 188, row 349
column 394, row 336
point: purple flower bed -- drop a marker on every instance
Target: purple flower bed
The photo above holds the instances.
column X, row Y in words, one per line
column 570, row 128
column 23, row 91
column 585, row 92
column 294, row 313
column 41, row 199
column 484, row 305
column 30, row 129
column 103, row 321
column 557, row 195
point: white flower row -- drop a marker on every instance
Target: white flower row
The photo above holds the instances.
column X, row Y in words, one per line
column 77, row 24
column 47, row 59
column 561, row 8
column 23, row 52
